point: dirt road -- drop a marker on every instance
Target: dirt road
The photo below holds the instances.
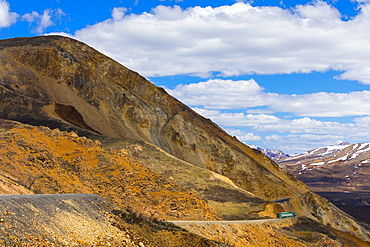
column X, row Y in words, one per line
column 224, row 221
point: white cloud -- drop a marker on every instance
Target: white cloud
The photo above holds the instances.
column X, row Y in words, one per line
column 31, row 17
column 7, row 18
column 289, row 135
column 318, row 11
column 220, row 94
column 299, row 135
column 292, row 144
column 228, row 94
column 118, row 13
column 271, row 123
column 292, row 134
column 44, row 20
column 237, row 39
column 309, row 125
column 237, row 119
column 324, row 104
column 244, row 136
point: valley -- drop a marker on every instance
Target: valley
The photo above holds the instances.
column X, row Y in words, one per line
column 355, row 204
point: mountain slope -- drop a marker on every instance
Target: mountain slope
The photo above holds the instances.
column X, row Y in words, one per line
column 63, row 83
column 50, row 161
column 83, row 220
column 229, row 200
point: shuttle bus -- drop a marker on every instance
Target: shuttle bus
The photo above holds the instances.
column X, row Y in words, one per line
column 285, row 215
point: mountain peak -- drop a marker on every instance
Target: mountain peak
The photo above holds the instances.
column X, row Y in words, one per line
column 345, row 143
column 274, row 154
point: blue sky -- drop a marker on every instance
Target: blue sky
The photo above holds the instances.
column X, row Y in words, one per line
column 291, row 75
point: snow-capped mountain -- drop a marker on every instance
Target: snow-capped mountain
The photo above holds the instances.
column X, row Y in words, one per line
column 344, row 167
column 274, row 154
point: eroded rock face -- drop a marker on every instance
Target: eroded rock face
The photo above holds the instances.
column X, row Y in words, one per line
column 60, row 82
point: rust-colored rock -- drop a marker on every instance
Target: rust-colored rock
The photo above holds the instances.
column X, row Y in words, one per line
column 51, row 161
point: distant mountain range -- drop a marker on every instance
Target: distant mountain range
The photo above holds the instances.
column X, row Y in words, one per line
column 340, row 173
column 274, row 154
column 343, row 168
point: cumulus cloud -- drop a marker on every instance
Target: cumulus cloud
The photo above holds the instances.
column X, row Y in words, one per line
column 294, row 144
column 308, row 125
column 44, row 20
column 290, row 135
column 118, row 13
column 7, row 18
column 237, row 119
column 220, row 94
column 237, row 39
column 229, row 94
column 324, row 104
column 244, row 136
column 271, row 123
column 363, row 121
column 298, row 133
column 318, row 11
